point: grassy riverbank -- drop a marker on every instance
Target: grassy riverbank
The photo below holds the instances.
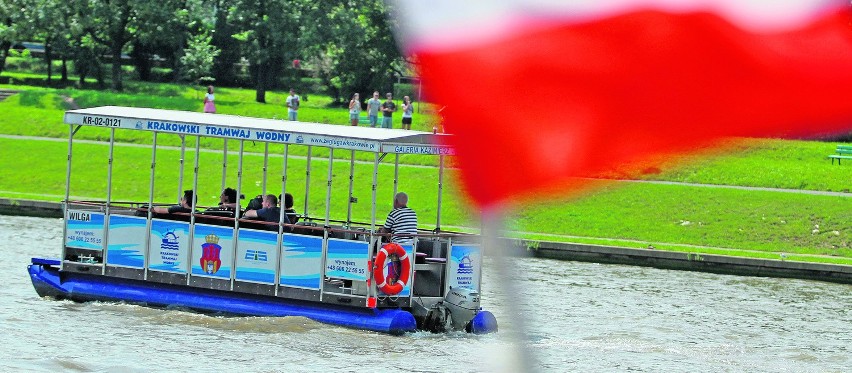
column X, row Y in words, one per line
column 38, row 111
column 763, row 224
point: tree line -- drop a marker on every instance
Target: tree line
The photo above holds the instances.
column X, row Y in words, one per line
column 349, row 45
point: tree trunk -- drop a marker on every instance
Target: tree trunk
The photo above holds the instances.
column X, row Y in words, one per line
column 64, row 69
column 116, row 66
column 48, row 58
column 260, row 80
column 142, row 62
column 100, row 76
column 4, row 52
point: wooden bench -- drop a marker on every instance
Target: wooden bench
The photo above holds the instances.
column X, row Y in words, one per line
column 843, row 152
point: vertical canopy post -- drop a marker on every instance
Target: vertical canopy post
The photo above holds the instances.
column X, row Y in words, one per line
column 107, row 208
column 180, row 172
column 375, row 184
column 281, row 216
column 395, row 174
column 440, row 191
column 147, row 255
column 328, row 185
column 307, row 180
column 265, row 167
column 351, row 182
column 237, row 211
column 224, row 165
column 71, row 132
column 194, row 204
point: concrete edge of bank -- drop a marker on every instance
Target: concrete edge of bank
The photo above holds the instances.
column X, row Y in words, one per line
column 589, row 253
column 688, row 261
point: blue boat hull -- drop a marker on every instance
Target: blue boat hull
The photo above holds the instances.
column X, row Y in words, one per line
column 48, row 281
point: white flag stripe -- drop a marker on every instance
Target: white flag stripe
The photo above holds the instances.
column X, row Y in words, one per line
column 444, row 24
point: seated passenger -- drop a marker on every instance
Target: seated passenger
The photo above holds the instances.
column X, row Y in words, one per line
column 227, row 203
column 288, row 209
column 228, row 199
column 185, row 204
column 270, row 211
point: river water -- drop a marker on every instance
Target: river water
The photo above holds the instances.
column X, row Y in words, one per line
column 577, row 317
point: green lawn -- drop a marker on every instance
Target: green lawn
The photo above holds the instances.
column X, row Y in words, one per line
column 678, row 214
column 723, row 221
column 785, row 164
column 37, row 111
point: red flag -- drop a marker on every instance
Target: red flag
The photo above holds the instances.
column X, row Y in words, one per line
column 534, row 103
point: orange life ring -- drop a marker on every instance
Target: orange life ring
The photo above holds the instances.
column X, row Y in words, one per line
column 379, row 269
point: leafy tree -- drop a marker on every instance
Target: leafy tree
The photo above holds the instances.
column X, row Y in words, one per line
column 269, row 33
column 13, row 26
column 352, row 47
column 116, row 23
column 87, row 58
column 197, row 60
column 224, row 66
column 109, row 24
column 51, row 20
column 164, row 28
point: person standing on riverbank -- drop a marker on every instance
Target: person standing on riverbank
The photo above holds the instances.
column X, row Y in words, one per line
column 388, row 108
column 354, row 109
column 292, row 105
column 407, row 111
column 373, row 106
column 209, row 106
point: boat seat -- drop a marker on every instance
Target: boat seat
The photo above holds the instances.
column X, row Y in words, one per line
column 302, row 228
column 218, row 212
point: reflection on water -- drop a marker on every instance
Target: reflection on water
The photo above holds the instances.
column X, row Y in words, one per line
column 581, row 317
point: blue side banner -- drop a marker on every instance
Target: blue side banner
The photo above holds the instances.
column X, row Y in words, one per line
column 126, row 241
column 465, row 266
column 212, row 251
column 257, row 255
column 347, row 259
column 169, row 245
column 85, row 230
column 301, row 261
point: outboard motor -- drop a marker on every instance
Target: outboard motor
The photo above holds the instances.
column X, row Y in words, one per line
column 463, row 304
column 455, row 312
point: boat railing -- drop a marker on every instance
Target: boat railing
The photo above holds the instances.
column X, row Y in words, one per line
column 306, row 224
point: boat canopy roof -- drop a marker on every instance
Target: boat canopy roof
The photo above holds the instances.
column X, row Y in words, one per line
column 376, row 140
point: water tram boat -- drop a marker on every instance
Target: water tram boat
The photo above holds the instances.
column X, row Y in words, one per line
column 341, row 272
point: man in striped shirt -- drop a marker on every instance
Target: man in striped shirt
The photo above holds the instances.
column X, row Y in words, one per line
column 401, row 221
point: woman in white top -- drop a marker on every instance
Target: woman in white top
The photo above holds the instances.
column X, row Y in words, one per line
column 354, row 109
column 407, row 110
column 209, row 106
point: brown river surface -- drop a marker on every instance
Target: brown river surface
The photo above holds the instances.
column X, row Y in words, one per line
column 578, row 317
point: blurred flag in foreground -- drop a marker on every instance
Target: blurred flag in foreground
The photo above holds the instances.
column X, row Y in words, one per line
column 540, row 91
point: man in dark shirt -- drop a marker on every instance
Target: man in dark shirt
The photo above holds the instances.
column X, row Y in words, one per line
column 388, row 107
column 185, row 204
column 269, row 212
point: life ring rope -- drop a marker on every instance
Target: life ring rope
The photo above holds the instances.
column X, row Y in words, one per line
column 379, row 269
